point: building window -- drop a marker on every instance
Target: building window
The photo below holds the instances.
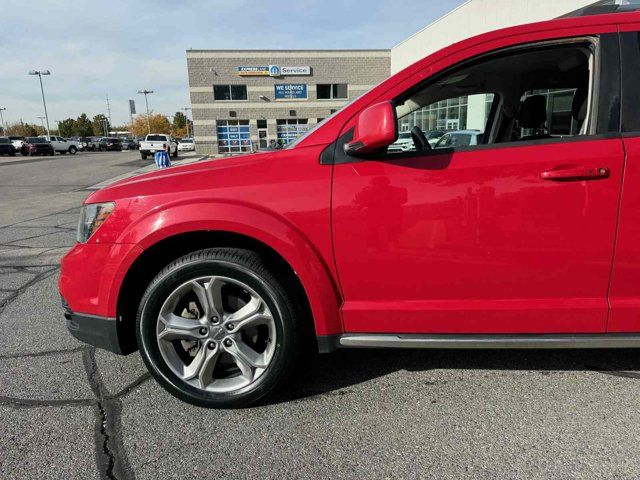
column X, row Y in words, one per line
column 229, row 92
column 234, row 136
column 330, row 91
column 289, row 129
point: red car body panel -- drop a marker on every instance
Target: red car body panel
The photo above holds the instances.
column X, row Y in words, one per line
column 477, row 242
column 624, row 294
column 507, row 251
column 268, row 197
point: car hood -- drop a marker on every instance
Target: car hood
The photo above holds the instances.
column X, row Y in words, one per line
column 198, row 176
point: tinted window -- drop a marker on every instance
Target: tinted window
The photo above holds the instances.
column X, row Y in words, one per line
column 156, row 138
column 4, row 140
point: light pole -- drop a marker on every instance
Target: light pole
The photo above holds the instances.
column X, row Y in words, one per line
column 186, row 114
column 42, row 122
column 40, row 73
column 4, row 127
column 146, row 102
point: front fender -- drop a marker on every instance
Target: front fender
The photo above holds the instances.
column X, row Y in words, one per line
column 260, row 224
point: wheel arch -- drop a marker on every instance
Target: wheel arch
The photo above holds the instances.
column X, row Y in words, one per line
column 319, row 299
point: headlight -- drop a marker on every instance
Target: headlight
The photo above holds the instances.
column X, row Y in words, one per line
column 91, row 217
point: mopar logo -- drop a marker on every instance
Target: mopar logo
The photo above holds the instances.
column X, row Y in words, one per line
column 274, row 70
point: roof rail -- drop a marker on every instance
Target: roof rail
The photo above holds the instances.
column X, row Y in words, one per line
column 605, row 6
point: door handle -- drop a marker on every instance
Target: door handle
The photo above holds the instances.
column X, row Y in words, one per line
column 568, row 174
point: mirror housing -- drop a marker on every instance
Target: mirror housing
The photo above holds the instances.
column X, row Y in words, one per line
column 376, row 127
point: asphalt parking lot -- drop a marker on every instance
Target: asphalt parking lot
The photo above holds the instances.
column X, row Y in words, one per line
column 70, row 411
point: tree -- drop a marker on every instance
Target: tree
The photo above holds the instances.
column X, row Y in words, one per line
column 179, row 120
column 67, row 128
column 159, row 124
column 99, row 122
column 22, row 129
column 83, row 126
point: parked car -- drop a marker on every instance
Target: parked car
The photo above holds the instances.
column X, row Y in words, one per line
column 17, row 142
column 62, row 145
column 83, row 143
column 114, row 144
column 156, row 142
column 6, row 147
column 186, row 145
column 459, row 138
column 404, row 143
column 225, row 273
column 433, row 136
column 37, row 146
column 129, row 144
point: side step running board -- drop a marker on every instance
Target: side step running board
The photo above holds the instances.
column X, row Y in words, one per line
column 605, row 340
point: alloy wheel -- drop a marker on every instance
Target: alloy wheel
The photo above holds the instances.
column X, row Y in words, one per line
column 216, row 334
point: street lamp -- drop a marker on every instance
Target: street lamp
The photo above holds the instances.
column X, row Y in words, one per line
column 42, row 122
column 40, row 73
column 186, row 114
column 147, row 92
column 4, row 127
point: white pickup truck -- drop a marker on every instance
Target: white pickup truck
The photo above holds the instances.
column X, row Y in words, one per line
column 62, row 145
column 155, row 142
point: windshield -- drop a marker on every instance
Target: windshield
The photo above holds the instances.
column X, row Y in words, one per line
column 186, row 141
column 37, row 140
column 156, row 138
column 404, row 135
column 15, row 138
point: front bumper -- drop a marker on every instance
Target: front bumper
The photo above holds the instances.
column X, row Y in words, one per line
column 100, row 332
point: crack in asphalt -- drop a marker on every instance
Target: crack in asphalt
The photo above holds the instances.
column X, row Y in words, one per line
column 111, row 459
column 19, row 291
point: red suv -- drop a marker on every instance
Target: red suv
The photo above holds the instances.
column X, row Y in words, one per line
column 225, row 273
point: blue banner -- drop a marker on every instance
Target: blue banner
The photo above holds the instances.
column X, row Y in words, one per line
column 289, row 91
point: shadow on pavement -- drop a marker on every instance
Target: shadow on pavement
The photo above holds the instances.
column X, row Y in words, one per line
column 328, row 374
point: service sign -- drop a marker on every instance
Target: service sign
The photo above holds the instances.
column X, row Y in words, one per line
column 295, row 71
column 253, row 71
column 291, row 91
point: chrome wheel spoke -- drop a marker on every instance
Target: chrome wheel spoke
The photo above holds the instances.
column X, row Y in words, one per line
column 201, row 367
column 244, row 354
column 205, row 375
column 201, row 293
column 179, row 328
column 214, row 297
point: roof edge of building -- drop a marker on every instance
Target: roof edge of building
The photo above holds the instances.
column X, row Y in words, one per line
column 432, row 23
column 303, row 50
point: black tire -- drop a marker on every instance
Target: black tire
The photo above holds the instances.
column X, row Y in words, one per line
column 73, row 150
column 175, row 153
column 52, row 153
column 12, row 154
column 247, row 267
column 144, row 156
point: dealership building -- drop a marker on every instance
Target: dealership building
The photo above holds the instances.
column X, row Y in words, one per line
column 248, row 100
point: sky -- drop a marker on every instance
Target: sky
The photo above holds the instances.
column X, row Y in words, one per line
column 115, row 48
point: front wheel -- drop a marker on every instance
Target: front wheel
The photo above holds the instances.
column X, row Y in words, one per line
column 144, row 156
column 217, row 329
column 175, row 153
column 72, row 150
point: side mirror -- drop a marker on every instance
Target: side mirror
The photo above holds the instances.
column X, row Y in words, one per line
column 376, row 127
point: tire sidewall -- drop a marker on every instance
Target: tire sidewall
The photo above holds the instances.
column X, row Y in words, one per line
column 150, row 352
